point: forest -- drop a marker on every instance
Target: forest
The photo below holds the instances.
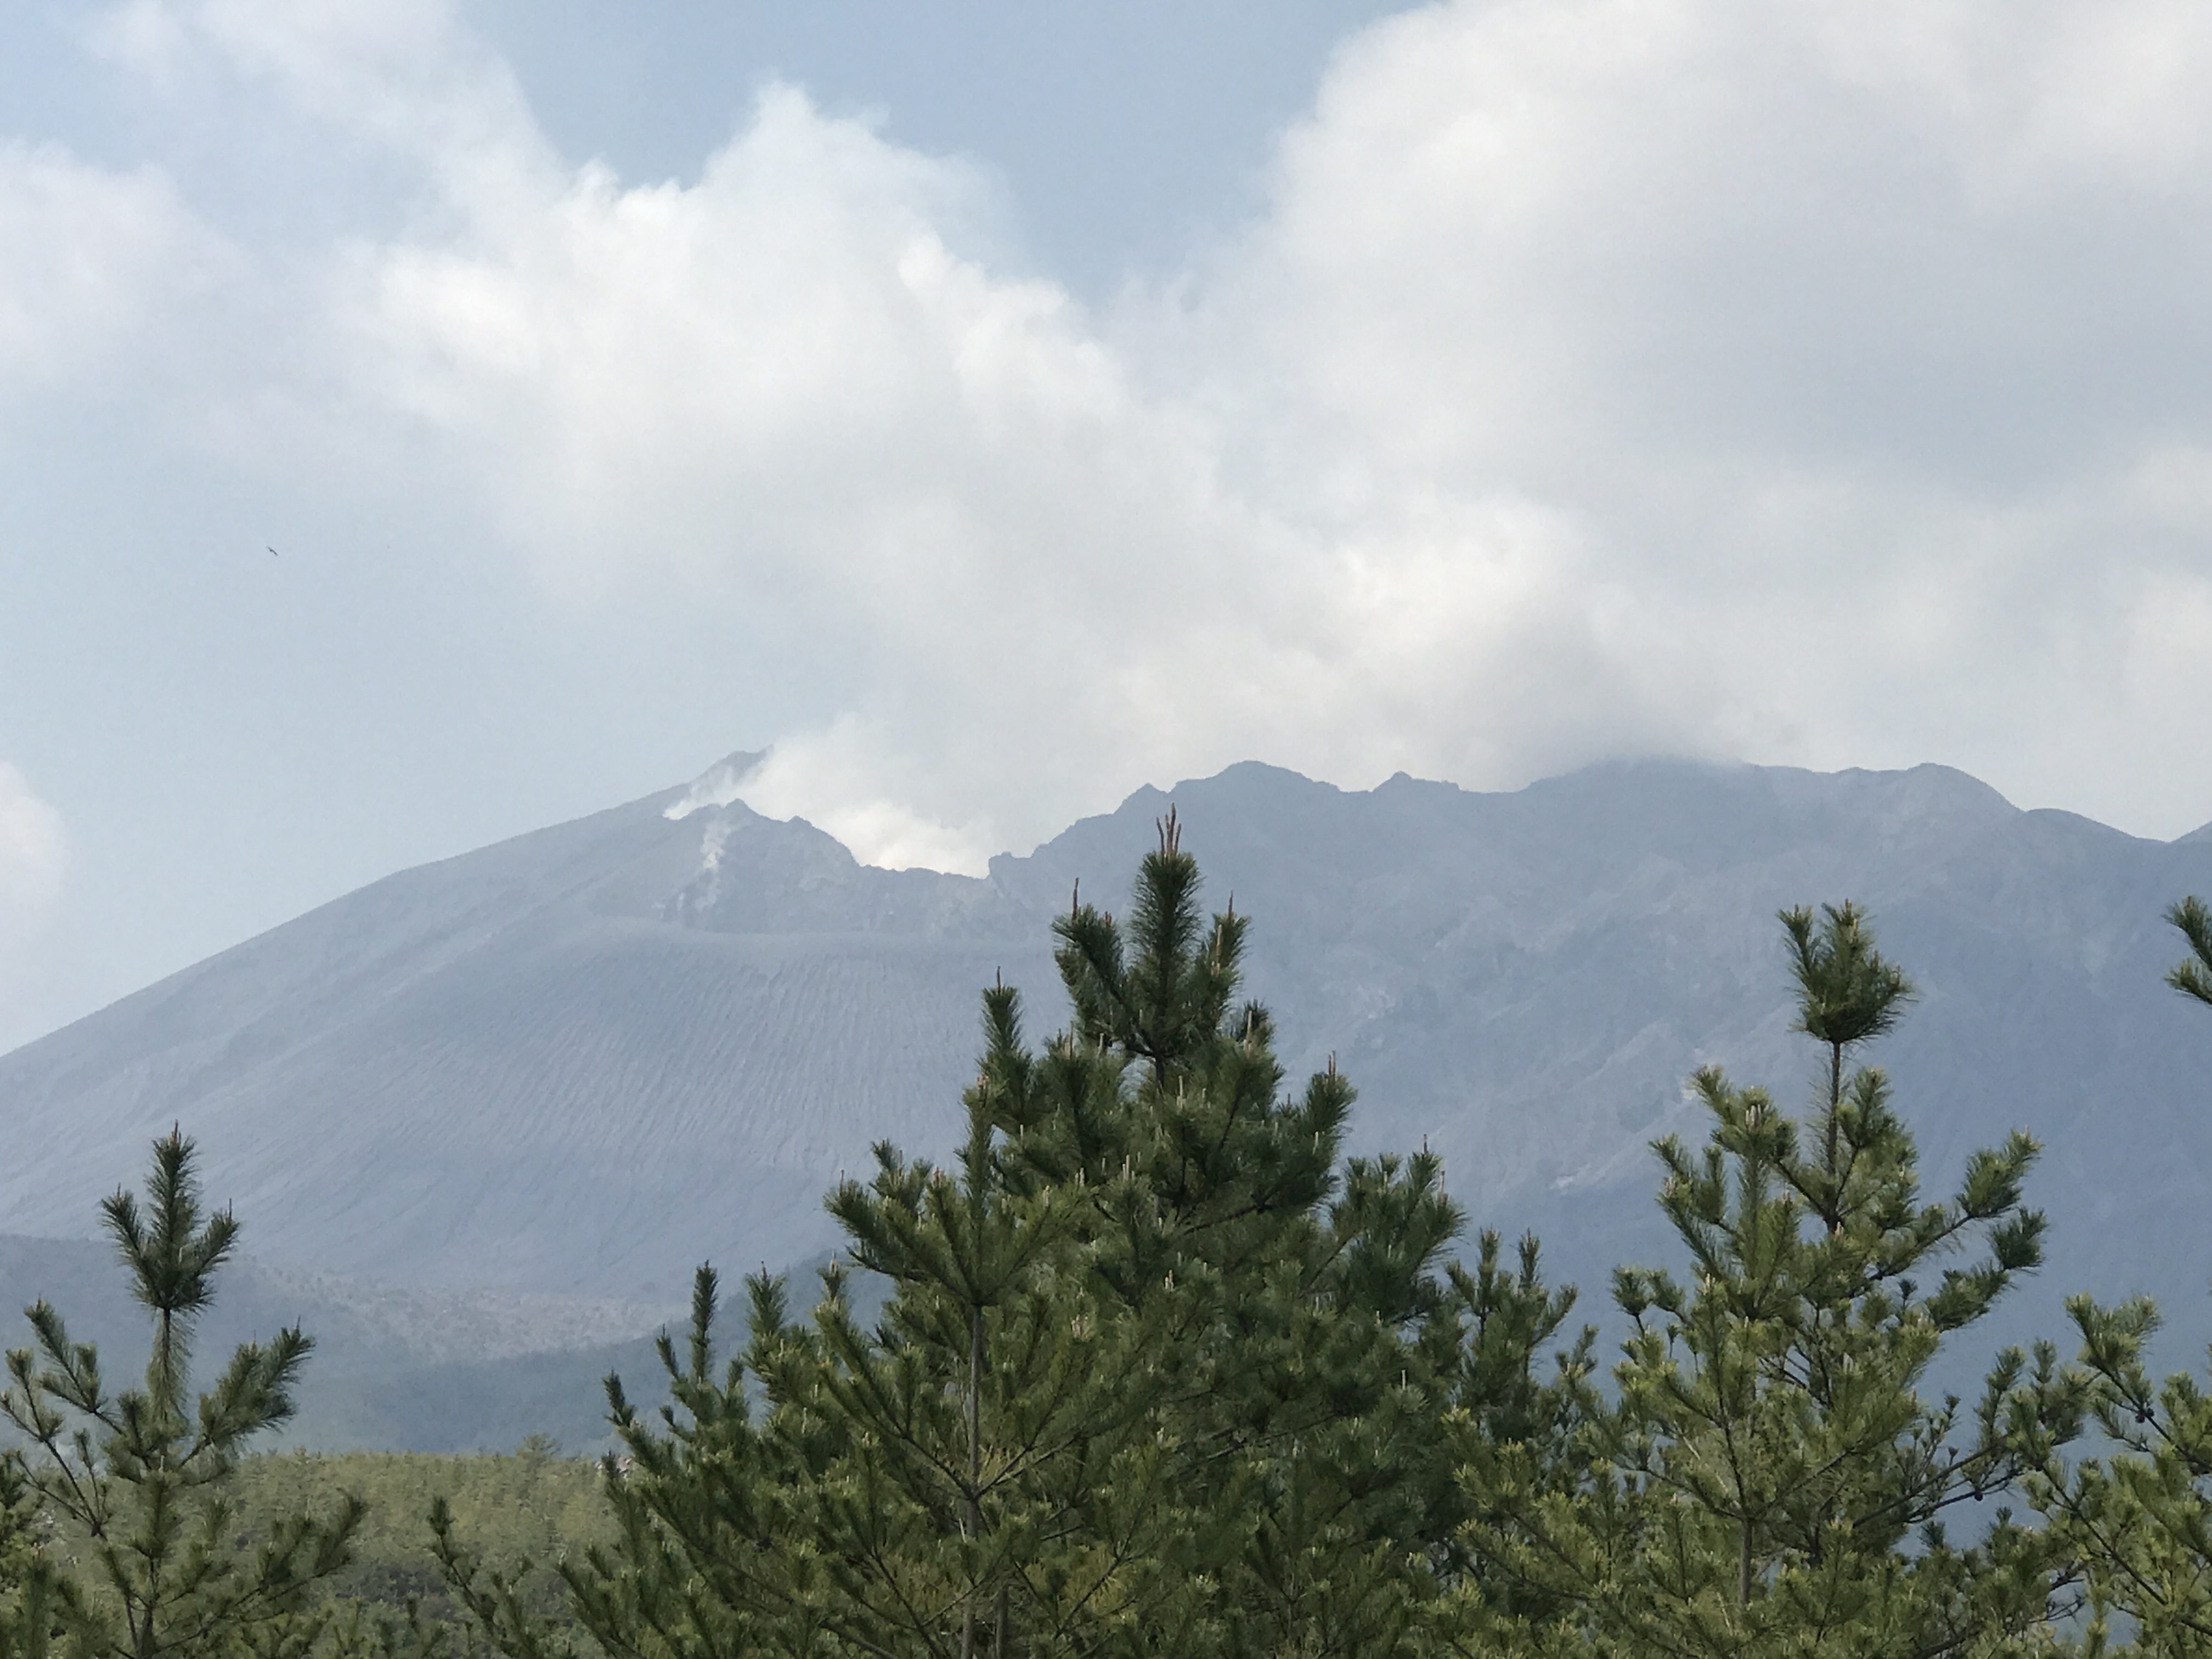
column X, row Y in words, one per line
column 1155, row 1366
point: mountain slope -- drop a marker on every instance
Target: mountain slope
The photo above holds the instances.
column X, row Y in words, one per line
column 391, row 1369
column 583, row 1060
column 574, row 1061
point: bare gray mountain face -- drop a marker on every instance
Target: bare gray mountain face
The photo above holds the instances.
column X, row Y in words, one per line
column 581, row 1061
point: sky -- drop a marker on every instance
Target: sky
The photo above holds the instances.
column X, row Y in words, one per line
column 423, row 420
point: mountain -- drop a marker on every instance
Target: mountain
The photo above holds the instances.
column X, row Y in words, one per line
column 576, row 1061
column 581, row 1061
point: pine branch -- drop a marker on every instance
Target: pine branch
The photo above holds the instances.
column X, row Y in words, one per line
column 2192, row 976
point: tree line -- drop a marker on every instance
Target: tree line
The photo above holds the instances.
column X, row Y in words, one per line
column 1162, row 1370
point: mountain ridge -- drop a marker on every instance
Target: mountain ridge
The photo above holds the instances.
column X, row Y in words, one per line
column 581, row 1060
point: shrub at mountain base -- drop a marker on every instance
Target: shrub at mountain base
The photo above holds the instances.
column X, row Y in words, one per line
column 524, row 1511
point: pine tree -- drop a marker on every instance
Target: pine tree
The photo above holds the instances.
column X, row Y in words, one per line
column 2139, row 1515
column 140, row 1482
column 1769, row 1478
column 1161, row 1370
column 716, row 1555
column 994, row 1487
column 1318, row 1359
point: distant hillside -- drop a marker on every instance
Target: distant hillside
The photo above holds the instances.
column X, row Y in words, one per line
column 583, row 1060
column 391, row 1368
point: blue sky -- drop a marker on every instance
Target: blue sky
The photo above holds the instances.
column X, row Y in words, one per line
column 990, row 408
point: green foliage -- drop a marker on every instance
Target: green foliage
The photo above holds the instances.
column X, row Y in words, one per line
column 1768, row 1478
column 2192, row 974
column 28, row 1582
column 2139, row 1516
column 525, row 1513
column 1161, row 1370
column 145, row 1561
column 1847, row 994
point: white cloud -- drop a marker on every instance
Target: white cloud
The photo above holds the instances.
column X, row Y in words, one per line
column 1847, row 332
column 1763, row 377
column 33, row 856
column 93, row 263
column 404, row 73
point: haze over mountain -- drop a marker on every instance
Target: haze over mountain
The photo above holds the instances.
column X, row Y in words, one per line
column 580, row 1061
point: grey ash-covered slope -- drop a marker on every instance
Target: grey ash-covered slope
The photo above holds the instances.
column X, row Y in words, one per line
column 574, row 1061
column 581, row 1061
